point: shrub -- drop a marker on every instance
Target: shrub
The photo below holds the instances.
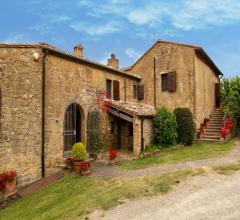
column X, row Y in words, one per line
column 230, row 96
column 79, row 152
column 186, row 126
column 165, row 125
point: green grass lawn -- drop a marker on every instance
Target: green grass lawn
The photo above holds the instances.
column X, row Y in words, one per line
column 198, row 151
column 74, row 196
column 227, row 169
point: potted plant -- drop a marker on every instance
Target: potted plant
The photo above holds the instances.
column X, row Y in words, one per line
column 79, row 153
column 69, row 163
column 8, row 183
column 224, row 133
column 112, row 156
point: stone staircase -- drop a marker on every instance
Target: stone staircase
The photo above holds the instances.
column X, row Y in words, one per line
column 211, row 132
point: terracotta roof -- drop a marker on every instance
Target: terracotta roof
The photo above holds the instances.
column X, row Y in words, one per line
column 199, row 50
column 71, row 56
column 133, row 108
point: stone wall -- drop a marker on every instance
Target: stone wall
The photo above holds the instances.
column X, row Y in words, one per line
column 147, row 131
column 20, row 143
column 169, row 57
column 205, row 80
column 21, row 107
column 68, row 82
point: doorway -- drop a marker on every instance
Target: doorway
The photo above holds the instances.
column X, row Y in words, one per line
column 72, row 126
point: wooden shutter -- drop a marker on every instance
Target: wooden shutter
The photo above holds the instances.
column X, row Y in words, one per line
column 140, row 92
column 109, row 88
column 172, row 82
column 116, row 92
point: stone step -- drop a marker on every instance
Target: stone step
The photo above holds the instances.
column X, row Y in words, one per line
column 211, row 132
column 210, row 137
column 215, row 124
column 216, row 135
column 209, row 140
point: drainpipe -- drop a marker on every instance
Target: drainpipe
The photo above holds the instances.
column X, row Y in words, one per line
column 125, row 90
column 142, row 139
column 154, row 81
column 43, row 112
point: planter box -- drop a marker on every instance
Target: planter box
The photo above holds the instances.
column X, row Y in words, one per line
column 10, row 188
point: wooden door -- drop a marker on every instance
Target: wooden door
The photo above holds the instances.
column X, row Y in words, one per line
column 217, row 95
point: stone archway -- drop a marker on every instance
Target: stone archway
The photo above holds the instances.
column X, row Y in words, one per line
column 73, row 126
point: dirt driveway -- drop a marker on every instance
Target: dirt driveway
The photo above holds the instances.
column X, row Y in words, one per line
column 211, row 196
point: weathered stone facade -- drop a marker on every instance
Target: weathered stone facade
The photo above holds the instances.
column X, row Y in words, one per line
column 20, row 112
column 195, row 78
column 73, row 79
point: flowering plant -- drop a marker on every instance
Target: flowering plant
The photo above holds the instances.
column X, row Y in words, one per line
column 224, row 132
column 228, row 124
column 112, row 153
column 6, row 177
column 69, row 162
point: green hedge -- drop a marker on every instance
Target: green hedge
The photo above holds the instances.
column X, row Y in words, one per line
column 186, row 126
column 165, row 125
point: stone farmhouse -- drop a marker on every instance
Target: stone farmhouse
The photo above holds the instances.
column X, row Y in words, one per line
column 50, row 99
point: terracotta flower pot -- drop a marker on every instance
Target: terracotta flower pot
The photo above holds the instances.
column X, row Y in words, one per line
column 82, row 167
column 10, row 188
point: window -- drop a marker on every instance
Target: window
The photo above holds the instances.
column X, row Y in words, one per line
column 116, row 92
column 109, row 88
column 140, row 92
column 164, row 82
column 135, row 95
column 168, row 82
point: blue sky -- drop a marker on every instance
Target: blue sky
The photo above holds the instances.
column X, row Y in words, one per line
column 127, row 27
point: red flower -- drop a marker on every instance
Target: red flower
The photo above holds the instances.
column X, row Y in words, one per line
column 224, row 132
column 228, row 124
column 6, row 177
column 69, row 162
column 112, row 153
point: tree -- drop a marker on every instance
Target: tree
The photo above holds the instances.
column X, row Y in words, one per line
column 230, row 96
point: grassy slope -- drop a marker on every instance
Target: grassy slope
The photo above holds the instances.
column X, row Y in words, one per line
column 198, row 151
column 74, row 196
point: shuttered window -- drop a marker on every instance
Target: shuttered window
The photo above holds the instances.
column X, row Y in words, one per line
column 169, row 82
column 135, row 91
column 164, row 78
column 109, row 88
column 116, row 92
column 140, row 92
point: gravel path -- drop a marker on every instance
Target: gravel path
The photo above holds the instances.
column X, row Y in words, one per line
column 201, row 197
column 100, row 169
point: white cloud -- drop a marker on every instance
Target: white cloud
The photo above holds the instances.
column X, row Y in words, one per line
column 91, row 29
column 132, row 54
column 16, row 38
column 185, row 14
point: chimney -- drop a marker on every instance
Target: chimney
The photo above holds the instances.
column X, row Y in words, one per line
column 113, row 62
column 78, row 51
